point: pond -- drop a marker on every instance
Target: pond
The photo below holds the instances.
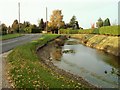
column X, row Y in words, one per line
column 96, row 67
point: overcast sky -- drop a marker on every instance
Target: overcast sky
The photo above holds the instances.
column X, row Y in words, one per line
column 86, row 11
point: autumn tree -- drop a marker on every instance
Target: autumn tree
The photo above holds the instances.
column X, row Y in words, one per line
column 3, row 29
column 99, row 23
column 56, row 21
column 15, row 26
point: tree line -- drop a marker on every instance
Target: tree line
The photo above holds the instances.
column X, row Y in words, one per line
column 56, row 22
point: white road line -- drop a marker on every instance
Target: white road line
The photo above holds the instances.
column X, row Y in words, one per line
column 8, row 42
column 12, row 41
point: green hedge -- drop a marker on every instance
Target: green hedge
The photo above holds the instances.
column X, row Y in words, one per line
column 109, row 30
column 106, row 30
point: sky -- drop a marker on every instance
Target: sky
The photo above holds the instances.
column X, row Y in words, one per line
column 87, row 12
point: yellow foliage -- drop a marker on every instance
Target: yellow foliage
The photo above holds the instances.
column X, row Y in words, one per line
column 56, row 19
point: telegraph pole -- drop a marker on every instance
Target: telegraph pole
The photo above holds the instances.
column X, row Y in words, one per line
column 19, row 15
column 46, row 19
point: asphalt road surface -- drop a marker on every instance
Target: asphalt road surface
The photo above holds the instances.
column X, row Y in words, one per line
column 7, row 45
column 12, row 43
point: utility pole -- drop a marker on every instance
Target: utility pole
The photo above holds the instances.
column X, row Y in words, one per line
column 46, row 19
column 19, row 15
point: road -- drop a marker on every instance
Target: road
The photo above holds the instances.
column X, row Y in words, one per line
column 6, row 46
column 12, row 43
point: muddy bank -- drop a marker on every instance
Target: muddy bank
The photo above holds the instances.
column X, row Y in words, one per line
column 109, row 44
column 48, row 50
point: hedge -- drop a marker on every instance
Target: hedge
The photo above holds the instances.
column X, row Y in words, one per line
column 106, row 30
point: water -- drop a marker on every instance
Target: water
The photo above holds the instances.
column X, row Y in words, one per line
column 94, row 66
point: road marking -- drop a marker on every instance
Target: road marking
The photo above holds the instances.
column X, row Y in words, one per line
column 8, row 42
column 13, row 41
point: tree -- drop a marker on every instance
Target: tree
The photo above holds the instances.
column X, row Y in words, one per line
column 15, row 26
column 56, row 21
column 3, row 29
column 26, row 24
column 99, row 23
column 106, row 22
column 72, row 21
column 41, row 24
column 10, row 30
column 76, row 25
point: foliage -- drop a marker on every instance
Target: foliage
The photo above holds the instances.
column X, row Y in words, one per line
column 41, row 25
column 10, row 30
column 27, row 29
column 106, row 22
column 99, row 23
column 76, row 25
column 80, row 31
column 15, row 26
column 26, row 24
column 3, row 29
column 34, row 29
column 25, row 66
column 73, row 23
column 56, row 20
column 108, row 30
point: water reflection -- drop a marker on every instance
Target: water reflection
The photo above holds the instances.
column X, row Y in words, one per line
column 56, row 53
column 97, row 67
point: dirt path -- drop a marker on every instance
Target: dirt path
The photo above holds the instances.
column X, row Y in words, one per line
column 3, row 76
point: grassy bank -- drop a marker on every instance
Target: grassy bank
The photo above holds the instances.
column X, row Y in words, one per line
column 9, row 36
column 26, row 70
column 108, row 44
column 106, row 30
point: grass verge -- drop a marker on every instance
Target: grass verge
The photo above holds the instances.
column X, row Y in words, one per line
column 26, row 70
column 9, row 36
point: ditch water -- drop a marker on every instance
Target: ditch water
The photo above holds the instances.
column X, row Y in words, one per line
column 96, row 67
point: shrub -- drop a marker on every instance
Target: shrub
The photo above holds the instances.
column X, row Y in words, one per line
column 106, row 30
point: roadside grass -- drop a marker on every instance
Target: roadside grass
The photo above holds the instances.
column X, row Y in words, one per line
column 9, row 36
column 26, row 71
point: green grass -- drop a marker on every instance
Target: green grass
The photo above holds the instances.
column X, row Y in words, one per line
column 106, row 30
column 26, row 70
column 9, row 36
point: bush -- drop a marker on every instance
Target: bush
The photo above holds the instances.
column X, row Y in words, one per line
column 106, row 30
column 109, row 30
